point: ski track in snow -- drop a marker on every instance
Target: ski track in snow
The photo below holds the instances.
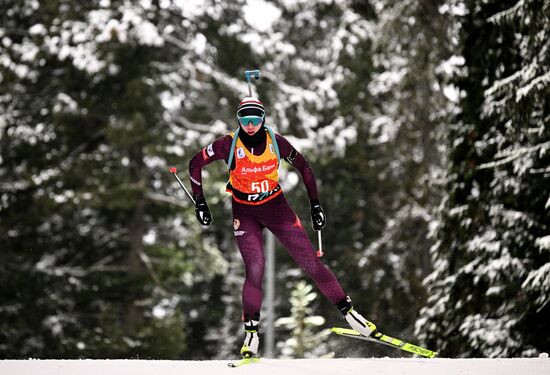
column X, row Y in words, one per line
column 349, row 366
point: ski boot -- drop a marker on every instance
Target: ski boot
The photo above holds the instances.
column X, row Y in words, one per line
column 251, row 338
column 354, row 319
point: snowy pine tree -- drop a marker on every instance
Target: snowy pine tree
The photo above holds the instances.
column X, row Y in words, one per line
column 92, row 258
column 411, row 45
column 303, row 341
column 489, row 291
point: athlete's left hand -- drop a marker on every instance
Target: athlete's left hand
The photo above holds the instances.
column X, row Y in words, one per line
column 318, row 215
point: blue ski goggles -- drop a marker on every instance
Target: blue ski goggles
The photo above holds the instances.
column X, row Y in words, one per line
column 247, row 120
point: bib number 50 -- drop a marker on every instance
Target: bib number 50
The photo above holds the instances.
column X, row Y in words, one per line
column 260, row 187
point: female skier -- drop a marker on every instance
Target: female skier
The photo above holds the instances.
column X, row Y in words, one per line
column 252, row 154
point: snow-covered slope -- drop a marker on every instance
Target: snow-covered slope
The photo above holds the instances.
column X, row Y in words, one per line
column 530, row 366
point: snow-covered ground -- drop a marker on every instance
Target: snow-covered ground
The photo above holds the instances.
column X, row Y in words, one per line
column 351, row 366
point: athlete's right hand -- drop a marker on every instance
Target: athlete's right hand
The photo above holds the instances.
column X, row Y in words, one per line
column 202, row 212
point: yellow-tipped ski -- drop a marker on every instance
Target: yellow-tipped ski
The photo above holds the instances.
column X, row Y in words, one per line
column 386, row 340
column 345, row 331
column 244, row 361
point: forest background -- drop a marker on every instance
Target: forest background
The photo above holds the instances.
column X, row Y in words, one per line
column 425, row 121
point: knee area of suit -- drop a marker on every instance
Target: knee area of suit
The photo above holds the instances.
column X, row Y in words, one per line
column 254, row 273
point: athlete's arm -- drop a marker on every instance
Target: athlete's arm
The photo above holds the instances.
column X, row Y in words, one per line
column 219, row 149
column 293, row 157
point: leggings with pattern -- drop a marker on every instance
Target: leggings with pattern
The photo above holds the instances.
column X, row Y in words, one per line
column 278, row 217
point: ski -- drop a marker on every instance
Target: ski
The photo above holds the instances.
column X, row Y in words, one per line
column 386, row 340
column 244, row 361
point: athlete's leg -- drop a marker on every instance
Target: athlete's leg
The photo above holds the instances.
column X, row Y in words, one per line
column 248, row 234
column 287, row 227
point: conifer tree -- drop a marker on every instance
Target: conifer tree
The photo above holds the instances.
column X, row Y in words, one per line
column 410, row 44
column 92, row 258
column 488, row 294
column 303, row 341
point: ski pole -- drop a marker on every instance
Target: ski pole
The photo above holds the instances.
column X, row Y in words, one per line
column 174, row 171
column 320, row 252
column 247, row 75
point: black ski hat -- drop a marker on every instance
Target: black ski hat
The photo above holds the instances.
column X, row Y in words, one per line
column 250, row 106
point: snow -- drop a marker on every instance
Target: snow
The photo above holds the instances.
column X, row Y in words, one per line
column 349, row 366
column 484, row 332
column 261, row 15
column 384, row 129
column 191, row 9
column 337, row 135
column 456, row 8
column 199, row 43
column 537, row 83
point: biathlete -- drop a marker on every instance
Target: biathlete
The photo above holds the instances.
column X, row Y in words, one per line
column 253, row 153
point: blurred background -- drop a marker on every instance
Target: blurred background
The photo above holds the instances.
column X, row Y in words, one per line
column 426, row 123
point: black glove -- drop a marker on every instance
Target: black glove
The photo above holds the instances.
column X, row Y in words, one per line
column 317, row 215
column 202, row 212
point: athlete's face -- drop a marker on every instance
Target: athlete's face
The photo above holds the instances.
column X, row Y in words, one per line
column 250, row 129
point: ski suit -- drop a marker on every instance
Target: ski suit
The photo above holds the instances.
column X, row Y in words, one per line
column 254, row 170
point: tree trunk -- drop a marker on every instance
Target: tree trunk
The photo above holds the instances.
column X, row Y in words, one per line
column 133, row 315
